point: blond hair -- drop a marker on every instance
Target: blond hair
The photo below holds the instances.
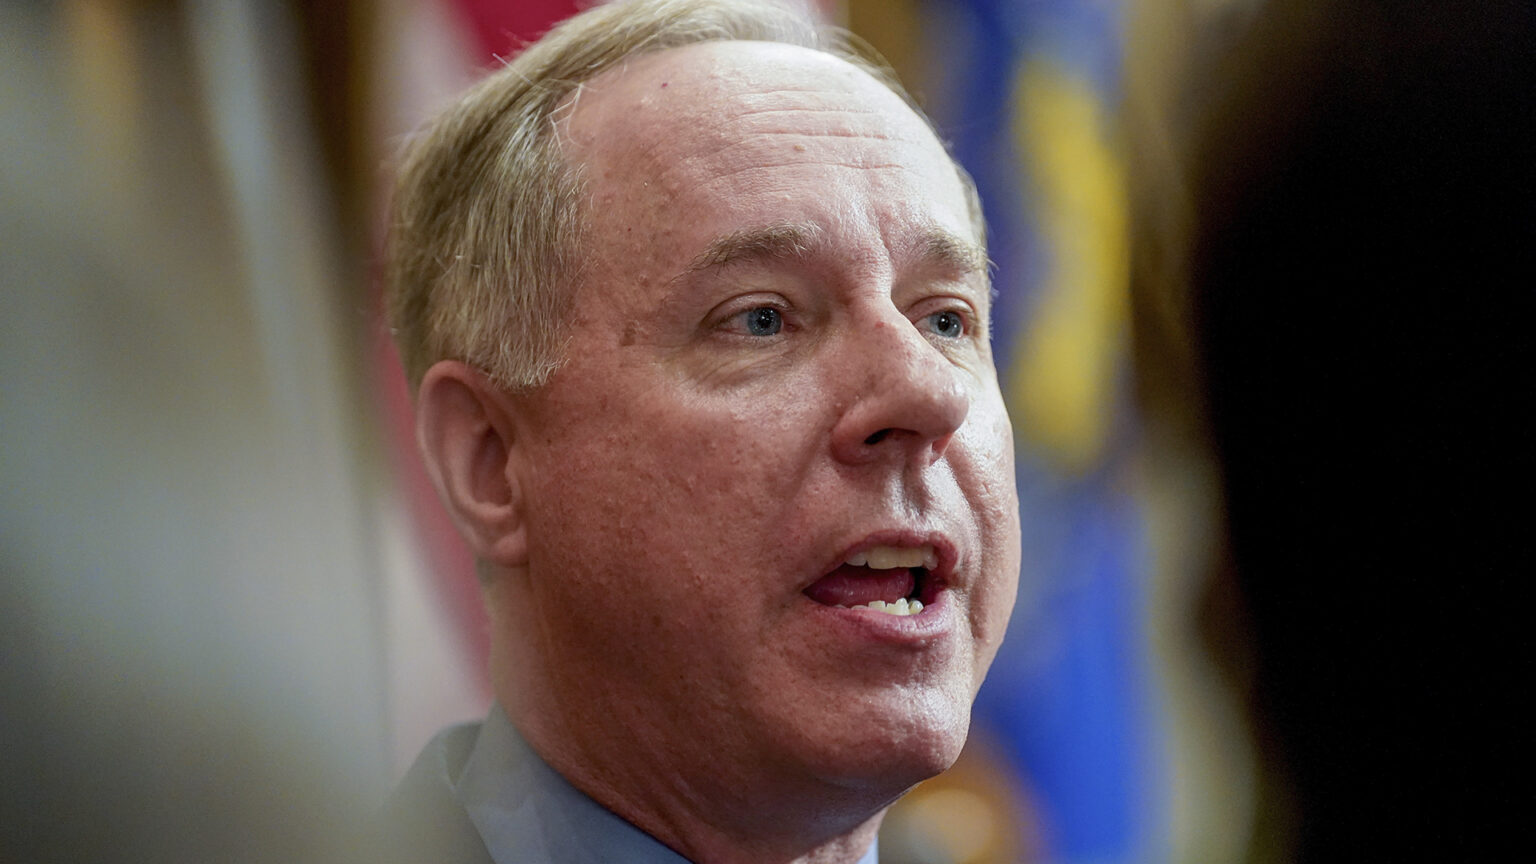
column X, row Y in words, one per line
column 487, row 223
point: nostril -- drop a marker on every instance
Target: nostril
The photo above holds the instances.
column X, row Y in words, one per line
column 877, row 437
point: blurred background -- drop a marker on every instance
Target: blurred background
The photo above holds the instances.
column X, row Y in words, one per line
column 1265, row 282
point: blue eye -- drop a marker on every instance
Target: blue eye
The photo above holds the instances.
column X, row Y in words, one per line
column 948, row 324
column 763, row 321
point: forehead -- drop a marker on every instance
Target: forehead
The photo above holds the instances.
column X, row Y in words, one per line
column 693, row 142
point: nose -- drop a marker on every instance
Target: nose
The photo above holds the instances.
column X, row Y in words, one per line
column 906, row 399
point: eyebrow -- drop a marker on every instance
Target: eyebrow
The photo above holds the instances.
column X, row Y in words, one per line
column 790, row 240
column 783, row 241
column 954, row 253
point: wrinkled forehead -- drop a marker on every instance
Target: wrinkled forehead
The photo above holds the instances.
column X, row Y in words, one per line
column 700, row 113
column 710, row 82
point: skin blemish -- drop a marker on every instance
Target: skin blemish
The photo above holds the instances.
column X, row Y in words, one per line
column 629, row 334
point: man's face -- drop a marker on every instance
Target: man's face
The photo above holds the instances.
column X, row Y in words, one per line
column 780, row 365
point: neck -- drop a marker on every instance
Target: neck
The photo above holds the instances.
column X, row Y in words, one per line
column 721, row 815
column 663, row 772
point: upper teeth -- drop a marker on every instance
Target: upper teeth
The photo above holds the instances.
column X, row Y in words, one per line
column 892, row 557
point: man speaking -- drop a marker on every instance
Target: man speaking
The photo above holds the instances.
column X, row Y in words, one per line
column 696, row 307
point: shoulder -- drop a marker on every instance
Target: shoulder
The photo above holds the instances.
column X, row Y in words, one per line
column 423, row 821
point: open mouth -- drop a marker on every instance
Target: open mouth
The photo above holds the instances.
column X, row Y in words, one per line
column 894, row 580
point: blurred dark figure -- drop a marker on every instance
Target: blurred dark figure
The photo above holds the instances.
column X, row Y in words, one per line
column 1333, row 261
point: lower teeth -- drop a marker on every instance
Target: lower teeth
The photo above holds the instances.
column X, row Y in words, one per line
column 900, row 607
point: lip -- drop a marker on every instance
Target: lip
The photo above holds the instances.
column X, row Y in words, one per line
column 867, row 625
column 935, row 619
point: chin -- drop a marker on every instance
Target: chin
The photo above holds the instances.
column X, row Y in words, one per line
column 895, row 741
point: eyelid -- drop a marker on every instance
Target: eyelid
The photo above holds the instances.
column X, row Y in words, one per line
column 931, row 306
column 733, row 310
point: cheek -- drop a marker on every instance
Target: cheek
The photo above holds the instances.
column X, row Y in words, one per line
column 987, row 441
column 997, row 599
column 696, row 488
column 993, row 495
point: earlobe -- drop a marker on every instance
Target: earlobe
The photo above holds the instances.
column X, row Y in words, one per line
column 465, row 426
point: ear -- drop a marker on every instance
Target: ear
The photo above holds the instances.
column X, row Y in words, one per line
column 465, row 426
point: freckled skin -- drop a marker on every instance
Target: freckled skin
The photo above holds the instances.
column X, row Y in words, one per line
column 684, row 481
